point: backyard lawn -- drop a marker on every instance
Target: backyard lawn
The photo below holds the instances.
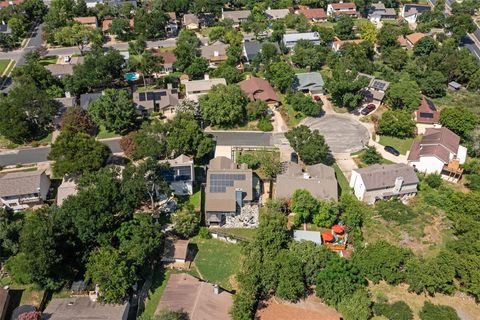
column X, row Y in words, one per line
column 248, row 234
column 402, row 145
column 105, row 134
column 341, row 179
column 460, row 98
column 357, row 157
column 160, row 278
column 217, row 261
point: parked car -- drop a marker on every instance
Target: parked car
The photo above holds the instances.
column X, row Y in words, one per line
column 294, row 157
column 392, row 150
column 368, row 109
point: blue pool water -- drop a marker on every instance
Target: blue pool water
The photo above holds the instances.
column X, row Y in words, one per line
column 131, row 76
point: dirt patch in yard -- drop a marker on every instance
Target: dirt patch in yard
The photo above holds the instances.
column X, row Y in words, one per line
column 465, row 306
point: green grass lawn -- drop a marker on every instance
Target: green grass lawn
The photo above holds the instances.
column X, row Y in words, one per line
column 48, row 60
column 361, row 164
column 459, row 98
column 3, row 65
column 160, row 278
column 402, row 145
column 105, row 134
column 196, row 199
column 217, row 261
column 240, row 232
column 341, row 179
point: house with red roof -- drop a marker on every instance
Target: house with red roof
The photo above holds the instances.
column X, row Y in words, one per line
column 342, row 8
column 427, row 112
column 259, row 89
column 439, row 151
column 314, row 14
column 169, row 59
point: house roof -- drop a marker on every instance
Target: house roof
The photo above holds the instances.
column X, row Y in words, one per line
column 427, row 112
column 77, row 60
column 66, row 189
column 344, row 5
column 168, row 56
column 402, row 41
column 292, row 37
column 337, row 44
column 314, row 236
column 164, row 98
column 180, row 160
column 252, row 48
column 203, row 85
column 216, row 51
column 4, row 297
column 413, row 8
column 315, row 13
column 83, row 308
column 86, row 20
column 236, row 16
column 60, row 69
column 277, row 13
column 318, row 179
column 308, row 80
column 375, row 83
column 439, row 142
column 67, row 102
column 87, row 98
column 258, row 89
column 415, row 37
column 383, row 176
column 20, row 183
column 176, row 249
column 379, row 9
column 455, row 84
column 223, row 178
column 195, row 297
column 190, row 18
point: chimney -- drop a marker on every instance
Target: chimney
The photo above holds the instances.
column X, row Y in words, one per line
column 206, row 76
column 216, row 53
column 306, row 175
column 216, row 289
column 239, row 198
column 398, row 184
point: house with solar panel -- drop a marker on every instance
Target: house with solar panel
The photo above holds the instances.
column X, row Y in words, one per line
column 180, row 175
column 411, row 11
column 426, row 115
column 375, row 91
column 156, row 100
column 229, row 187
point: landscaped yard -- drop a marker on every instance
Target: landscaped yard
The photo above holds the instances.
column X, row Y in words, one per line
column 48, row 60
column 460, row 98
column 357, row 157
column 3, row 65
column 341, row 179
column 217, row 261
column 402, row 145
column 248, row 234
column 196, row 199
column 105, row 134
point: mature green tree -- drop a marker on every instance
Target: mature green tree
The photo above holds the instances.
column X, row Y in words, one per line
column 327, row 214
column 297, row 21
column 397, row 123
column 460, row 120
column 303, row 205
column 344, row 28
column 396, row 58
column 310, row 145
column 344, row 87
column 230, row 73
column 256, row 110
column 77, row 153
column 308, row 54
column 304, row 104
column 280, row 75
column 147, row 63
column 382, row 261
column 27, row 112
column 395, row 210
column 356, row 306
column 186, row 49
column 34, row 72
column 434, row 84
column 149, row 141
column 398, row 310
column 404, row 94
column 59, row 13
column 114, row 110
column 368, row 31
column 431, row 311
column 371, row 156
column 291, row 285
column 121, row 28
column 460, row 24
column 137, row 46
column 186, row 221
column 388, row 36
column 224, row 106
column 115, row 283
column 338, row 280
column 425, row 46
column 78, row 35
column 197, row 68
column 10, row 227
column 78, row 120
column 38, row 260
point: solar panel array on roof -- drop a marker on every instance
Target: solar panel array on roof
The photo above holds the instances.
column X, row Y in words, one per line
column 152, row 96
column 183, row 173
column 426, row 115
column 220, row 181
column 378, row 85
column 431, row 105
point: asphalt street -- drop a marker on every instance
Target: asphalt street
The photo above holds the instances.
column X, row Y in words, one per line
column 248, row 138
column 40, row 154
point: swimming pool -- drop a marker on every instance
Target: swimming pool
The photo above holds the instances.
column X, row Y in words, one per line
column 131, row 76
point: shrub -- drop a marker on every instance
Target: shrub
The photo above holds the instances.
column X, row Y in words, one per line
column 433, row 180
column 395, row 210
column 204, row 233
column 473, row 182
column 250, row 160
column 256, row 110
column 437, row 312
column 265, row 125
column 371, row 156
column 396, row 311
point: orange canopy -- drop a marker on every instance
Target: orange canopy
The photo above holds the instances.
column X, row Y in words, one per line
column 338, row 229
column 327, row 236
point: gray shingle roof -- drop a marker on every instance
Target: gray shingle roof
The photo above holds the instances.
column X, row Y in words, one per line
column 384, row 176
column 83, row 308
column 301, row 235
column 312, row 81
column 236, row 16
column 20, row 183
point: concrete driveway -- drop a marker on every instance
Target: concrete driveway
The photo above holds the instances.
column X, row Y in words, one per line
column 342, row 133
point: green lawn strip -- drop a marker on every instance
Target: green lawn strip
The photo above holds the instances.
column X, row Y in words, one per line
column 248, row 234
column 3, row 65
column 160, row 278
column 402, row 145
column 48, row 60
column 196, row 199
column 341, row 179
column 217, row 261
column 105, row 134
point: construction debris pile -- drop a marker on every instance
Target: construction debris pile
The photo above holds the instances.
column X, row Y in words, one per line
column 248, row 218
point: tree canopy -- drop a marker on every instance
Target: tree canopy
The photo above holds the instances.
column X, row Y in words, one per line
column 310, row 145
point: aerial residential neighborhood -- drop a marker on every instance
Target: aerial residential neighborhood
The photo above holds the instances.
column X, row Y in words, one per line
column 267, row 160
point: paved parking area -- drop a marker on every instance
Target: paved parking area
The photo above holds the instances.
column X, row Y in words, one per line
column 342, row 133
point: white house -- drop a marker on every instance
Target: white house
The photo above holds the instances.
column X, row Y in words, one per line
column 291, row 39
column 180, row 175
column 20, row 190
column 439, row 152
column 342, row 8
column 410, row 12
column 379, row 182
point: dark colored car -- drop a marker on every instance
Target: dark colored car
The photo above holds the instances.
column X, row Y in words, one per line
column 294, row 157
column 392, row 150
column 368, row 109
